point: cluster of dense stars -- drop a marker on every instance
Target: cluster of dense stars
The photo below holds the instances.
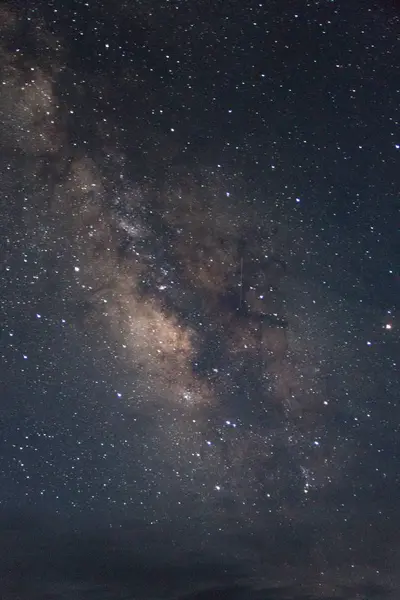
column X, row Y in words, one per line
column 198, row 318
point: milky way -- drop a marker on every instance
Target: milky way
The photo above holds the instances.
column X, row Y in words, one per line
column 246, row 367
column 192, row 288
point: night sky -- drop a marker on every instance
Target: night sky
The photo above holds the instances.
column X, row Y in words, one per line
column 199, row 300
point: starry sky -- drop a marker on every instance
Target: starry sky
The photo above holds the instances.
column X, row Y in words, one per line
column 199, row 300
